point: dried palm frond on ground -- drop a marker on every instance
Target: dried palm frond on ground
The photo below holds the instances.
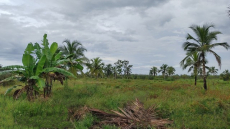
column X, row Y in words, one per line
column 131, row 117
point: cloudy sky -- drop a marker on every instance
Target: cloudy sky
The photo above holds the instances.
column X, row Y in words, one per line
column 145, row 32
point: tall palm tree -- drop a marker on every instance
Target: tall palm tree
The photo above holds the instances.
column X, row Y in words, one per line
column 192, row 61
column 170, row 70
column 163, row 69
column 153, row 71
column 96, row 67
column 75, row 52
column 203, row 43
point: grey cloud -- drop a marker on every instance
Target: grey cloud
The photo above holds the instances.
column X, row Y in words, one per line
column 147, row 33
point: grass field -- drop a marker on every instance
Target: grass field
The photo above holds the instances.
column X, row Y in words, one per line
column 187, row 105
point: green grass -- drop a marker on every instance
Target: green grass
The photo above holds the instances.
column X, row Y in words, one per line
column 187, row 105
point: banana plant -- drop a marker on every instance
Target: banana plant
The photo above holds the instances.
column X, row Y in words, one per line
column 36, row 68
column 53, row 63
column 29, row 72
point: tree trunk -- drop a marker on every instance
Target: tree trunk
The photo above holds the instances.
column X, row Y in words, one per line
column 205, row 84
column 195, row 79
column 204, row 73
column 30, row 89
column 44, row 89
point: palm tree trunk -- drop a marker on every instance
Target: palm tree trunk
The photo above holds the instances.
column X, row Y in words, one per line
column 204, row 74
column 195, row 79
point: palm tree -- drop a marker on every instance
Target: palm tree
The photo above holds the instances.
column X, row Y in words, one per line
column 163, row 69
column 213, row 70
column 96, row 67
column 153, row 71
column 192, row 61
column 170, row 70
column 75, row 52
column 126, row 68
column 118, row 66
column 74, row 48
column 108, row 70
column 128, row 71
column 203, row 44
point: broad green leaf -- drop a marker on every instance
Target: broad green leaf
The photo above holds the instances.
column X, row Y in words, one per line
column 45, row 41
column 40, row 65
column 46, row 50
column 69, row 56
column 58, row 56
column 38, row 50
column 78, row 66
column 10, row 89
column 59, row 70
column 35, row 77
column 59, row 62
column 27, row 60
column 53, row 48
column 41, row 83
column 29, row 48
column 37, row 46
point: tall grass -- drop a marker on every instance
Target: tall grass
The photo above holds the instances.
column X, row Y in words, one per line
column 187, row 105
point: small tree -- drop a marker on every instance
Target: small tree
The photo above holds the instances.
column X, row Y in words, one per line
column 126, row 68
column 163, row 69
column 192, row 61
column 96, row 67
column 225, row 75
column 170, row 70
column 153, row 71
column 118, row 66
column 108, row 70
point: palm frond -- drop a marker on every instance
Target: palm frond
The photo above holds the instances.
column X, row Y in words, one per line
column 224, row 44
column 189, row 45
column 218, row 58
column 189, row 37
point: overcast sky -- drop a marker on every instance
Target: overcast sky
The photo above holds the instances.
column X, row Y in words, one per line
column 145, row 32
